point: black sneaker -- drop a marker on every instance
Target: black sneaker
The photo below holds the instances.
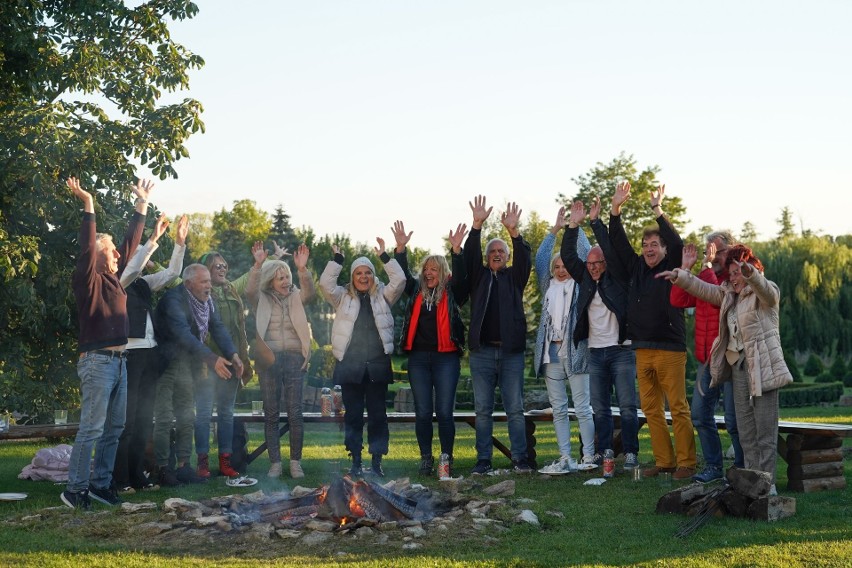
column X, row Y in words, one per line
column 167, row 477
column 427, row 464
column 107, row 495
column 187, row 474
column 76, row 500
column 521, row 466
column 481, row 468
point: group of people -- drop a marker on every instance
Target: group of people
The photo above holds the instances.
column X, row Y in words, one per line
column 609, row 316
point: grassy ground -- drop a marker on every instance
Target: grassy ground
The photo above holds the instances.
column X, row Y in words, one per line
column 613, row 524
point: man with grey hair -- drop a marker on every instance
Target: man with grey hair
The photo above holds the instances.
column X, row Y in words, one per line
column 705, row 398
column 498, row 332
column 185, row 318
column 102, row 314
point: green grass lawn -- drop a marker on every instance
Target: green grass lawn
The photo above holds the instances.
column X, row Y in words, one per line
column 610, row 525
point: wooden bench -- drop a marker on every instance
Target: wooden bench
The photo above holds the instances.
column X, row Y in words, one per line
column 31, row 431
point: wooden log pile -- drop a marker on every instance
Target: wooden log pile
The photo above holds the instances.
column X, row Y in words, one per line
column 814, row 463
column 746, row 494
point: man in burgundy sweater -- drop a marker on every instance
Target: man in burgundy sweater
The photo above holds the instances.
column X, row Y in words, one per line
column 102, row 313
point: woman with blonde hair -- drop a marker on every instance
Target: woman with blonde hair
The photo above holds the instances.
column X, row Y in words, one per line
column 747, row 351
column 433, row 338
column 282, row 325
column 362, row 342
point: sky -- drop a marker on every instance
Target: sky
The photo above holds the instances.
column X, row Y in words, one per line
column 354, row 114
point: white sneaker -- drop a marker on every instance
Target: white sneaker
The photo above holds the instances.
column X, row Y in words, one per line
column 561, row 466
column 773, row 490
column 296, row 469
column 274, row 470
column 589, row 462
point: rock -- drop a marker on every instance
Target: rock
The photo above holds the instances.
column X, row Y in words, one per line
column 474, row 505
column 557, row 514
column 407, row 524
column 382, row 539
column 363, row 532
column 261, row 531
column 209, row 521
column 137, row 507
column 505, row 488
column 314, row 538
column 388, row 526
column 527, row 516
column 416, row 532
column 320, row 526
column 525, row 501
column 536, row 400
column 153, row 528
column 411, row 546
column 442, row 528
column 30, row 518
column 300, row 491
column 749, row 482
column 772, row 508
column 178, row 505
column 286, row 533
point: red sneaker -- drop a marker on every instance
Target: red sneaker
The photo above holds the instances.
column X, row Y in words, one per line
column 203, row 466
column 225, row 466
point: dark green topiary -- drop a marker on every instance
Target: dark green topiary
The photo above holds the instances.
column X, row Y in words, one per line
column 793, row 366
column 838, row 368
column 824, row 377
column 814, row 366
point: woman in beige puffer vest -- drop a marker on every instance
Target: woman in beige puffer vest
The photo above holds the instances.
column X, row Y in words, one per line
column 747, row 350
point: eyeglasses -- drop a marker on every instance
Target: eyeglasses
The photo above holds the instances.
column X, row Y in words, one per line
column 595, row 263
column 220, row 266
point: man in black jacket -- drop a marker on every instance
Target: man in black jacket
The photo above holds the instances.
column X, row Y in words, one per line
column 658, row 334
column 185, row 316
column 498, row 332
column 602, row 308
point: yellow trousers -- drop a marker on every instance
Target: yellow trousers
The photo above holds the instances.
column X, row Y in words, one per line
column 662, row 376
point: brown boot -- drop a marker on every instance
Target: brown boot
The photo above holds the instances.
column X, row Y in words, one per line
column 225, row 466
column 203, row 469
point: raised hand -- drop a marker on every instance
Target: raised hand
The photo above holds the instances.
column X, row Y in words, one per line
column 142, row 188
column 259, row 253
column 80, row 193
column 400, row 236
column 300, row 257
column 746, row 268
column 657, row 196
column 622, row 193
column 379, row 250
column 595, row 209
column 279, row 252
column 560, row 221
column 160, row 227
column 690, row 256
column 578, row 213
column 510, row 218
column 710, row 252
column 335, row 250
column 457, row 237
column 670, row 275
column 480, row 213
column 182, row 230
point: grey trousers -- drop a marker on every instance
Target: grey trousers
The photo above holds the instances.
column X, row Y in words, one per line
column 757, row 421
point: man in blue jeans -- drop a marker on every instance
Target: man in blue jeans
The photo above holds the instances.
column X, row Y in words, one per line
column 102, row 315
column 704, row 398
column 497, row 338
column 602, row 315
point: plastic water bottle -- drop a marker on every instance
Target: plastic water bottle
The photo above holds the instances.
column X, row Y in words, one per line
column 608, row 463
column 337, row 399
column 326, row 402
column 443, row 466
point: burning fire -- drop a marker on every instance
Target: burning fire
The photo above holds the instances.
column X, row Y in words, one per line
column 354, row 507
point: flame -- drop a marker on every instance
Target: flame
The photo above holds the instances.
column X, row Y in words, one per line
column 354, row 507
column 343, row 521
column 322, row 496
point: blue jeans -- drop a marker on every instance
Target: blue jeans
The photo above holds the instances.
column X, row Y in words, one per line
column 614, row 366
column 225, row 394
column 704, row 401
column 103, row 403
column 491, row 367
column 555, row 375
column 430, row 372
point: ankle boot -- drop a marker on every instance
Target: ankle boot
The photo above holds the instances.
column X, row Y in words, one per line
column 377, row 466
column 356, row 470
column 203, row 469
column 225, row 466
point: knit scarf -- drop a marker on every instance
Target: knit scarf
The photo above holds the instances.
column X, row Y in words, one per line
column 201, row 313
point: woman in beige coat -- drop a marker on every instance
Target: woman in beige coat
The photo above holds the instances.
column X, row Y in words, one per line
column 747, row 351
column 283, row 325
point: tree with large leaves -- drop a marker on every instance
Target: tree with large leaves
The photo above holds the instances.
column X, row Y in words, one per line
column 80, row 87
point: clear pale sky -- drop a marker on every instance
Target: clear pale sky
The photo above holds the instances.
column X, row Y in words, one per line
column 354, row 114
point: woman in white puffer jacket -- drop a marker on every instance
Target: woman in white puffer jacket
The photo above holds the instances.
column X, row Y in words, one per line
column 362, row 343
